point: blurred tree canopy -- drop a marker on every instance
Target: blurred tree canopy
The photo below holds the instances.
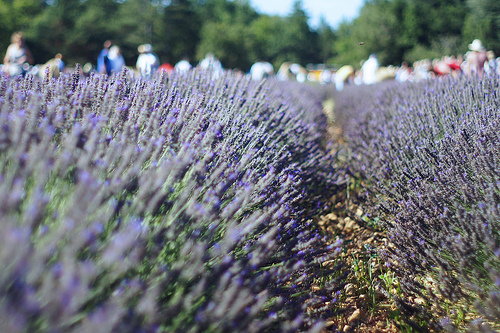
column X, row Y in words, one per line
column 396, row 30
column 410, row 30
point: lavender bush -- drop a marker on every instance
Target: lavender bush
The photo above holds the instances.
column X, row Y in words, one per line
column 179, row 204
column 428, row 155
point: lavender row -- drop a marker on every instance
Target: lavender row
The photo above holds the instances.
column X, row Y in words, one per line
column 176, row 204
column 427, row 156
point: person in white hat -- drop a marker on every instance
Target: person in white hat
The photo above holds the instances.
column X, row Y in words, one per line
column 477, row 57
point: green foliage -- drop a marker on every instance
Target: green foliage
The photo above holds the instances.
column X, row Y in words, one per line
column 232, row 30
column 239, row 37
column 421, row 52
column 299, row 37
column 232, row 46
column 136, row 22
column 262, row 28
column 279, row 39
column 411, row 30
column 483, row 23
column 326, row 36
column 180, row 30
column 376, row 27
column 396, row 30
column 16, row 15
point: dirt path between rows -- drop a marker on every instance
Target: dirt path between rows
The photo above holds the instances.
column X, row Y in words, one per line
column 365, row 308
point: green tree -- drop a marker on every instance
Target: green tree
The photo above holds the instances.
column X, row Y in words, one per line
column 91, row 29
column 400, row 30
column 225, row 33
column 51, row 31
column 483, row 22
column 326, row 39
column 227, row 11
column 229, row 43
column 137, row 22
column 301, row 40
column 180, row 28
column 347, row 46
column 279, row 39
column 432, row 28
column 231, row 29
column 266, row 31
column 376, row 30
column 17, row 15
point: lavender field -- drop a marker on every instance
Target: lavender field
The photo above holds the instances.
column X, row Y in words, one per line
column 425, row 158
column 188, row 203
column 177, row 204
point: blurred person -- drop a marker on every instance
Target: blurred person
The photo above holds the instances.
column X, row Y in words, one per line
column 290, row 71
column 18, row 56
column 147, row 61
column 285, row 73
column 369, row 69
column 491, row 64
column 477, row 57
column 238, row 72
column 211, row 63
column 60, row 62
column 385, row 73
column 55, row 67
column 101, row 58
column 358, row 75
column 403, row 72
column 342, row 76
column 183, row 66
column 114, row 61
column 421, row 69
column 465, row 67
column 88, row 69
column 440, row 67
column 325, row 77
column 166, row 67
column 455, row 64
column 299, row 72
column 261, row 70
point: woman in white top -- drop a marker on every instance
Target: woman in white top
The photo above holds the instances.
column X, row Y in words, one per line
column 147, row 61
column 18, row 56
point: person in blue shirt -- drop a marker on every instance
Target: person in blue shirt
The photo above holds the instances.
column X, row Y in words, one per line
column 101, row 58
column 114, row 61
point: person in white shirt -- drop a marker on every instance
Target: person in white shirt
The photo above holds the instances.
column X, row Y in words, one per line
column 147, row 61
column 18, row 57
column 261, row 70
column 369, row 69
column 183, row 66
column 212, row 64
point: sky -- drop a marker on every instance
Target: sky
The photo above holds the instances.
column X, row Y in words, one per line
column 334, row 11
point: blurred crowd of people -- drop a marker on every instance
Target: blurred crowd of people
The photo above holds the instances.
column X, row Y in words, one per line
column 18, row 60
column 476, row 61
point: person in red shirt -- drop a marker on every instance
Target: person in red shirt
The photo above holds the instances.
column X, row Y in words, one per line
column 166, row 67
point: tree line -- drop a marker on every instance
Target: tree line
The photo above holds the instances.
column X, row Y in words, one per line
column 238, row 35
column 411, row 30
